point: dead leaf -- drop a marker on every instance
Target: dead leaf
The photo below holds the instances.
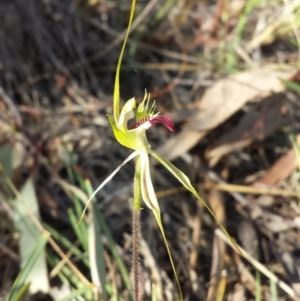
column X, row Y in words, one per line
column 292, row 268
column 220, row 101
column 248, row 236
column 281, row 169
column 238, row 293
column 276, row 223
column 256, row 124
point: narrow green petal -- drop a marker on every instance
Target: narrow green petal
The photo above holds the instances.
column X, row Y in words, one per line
column 143, row 109
column 184, row 180
column 133, row 155
column 150, row 199
column 117, row 79
column 140, row 112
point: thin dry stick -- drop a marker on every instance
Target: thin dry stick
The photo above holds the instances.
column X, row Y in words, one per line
column 286, row 288
column 253, row 190
column 235, row 188
column 60, row 265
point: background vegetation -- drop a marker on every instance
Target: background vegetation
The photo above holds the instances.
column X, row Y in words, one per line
column 225, row 71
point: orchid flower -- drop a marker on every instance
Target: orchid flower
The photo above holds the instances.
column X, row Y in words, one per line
column 135, row 138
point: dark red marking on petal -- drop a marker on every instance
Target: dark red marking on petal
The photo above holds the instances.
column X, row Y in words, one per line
column 165, row 120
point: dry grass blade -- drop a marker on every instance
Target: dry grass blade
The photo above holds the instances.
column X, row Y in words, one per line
column 218, row 254
column 216, row 269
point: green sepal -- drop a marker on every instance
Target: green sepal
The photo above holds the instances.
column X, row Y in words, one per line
column 117, row 79
column 134, row 139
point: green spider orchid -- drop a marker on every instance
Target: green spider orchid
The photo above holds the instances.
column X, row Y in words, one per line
column 135, row 138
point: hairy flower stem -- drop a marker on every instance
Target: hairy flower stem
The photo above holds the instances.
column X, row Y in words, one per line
column 137, row 197
column 135, row 254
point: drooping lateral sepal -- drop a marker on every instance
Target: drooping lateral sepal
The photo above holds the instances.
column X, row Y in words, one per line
column 147, row 189
column 184, row 180
column 149, row 197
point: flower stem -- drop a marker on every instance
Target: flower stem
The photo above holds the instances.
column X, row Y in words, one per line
column 135, row 253
column 137, row 196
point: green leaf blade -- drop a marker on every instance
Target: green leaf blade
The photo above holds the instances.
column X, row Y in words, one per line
column 20, row 282
column 26, row 214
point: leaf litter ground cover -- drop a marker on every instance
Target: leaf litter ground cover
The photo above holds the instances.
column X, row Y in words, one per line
column 208, row 66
